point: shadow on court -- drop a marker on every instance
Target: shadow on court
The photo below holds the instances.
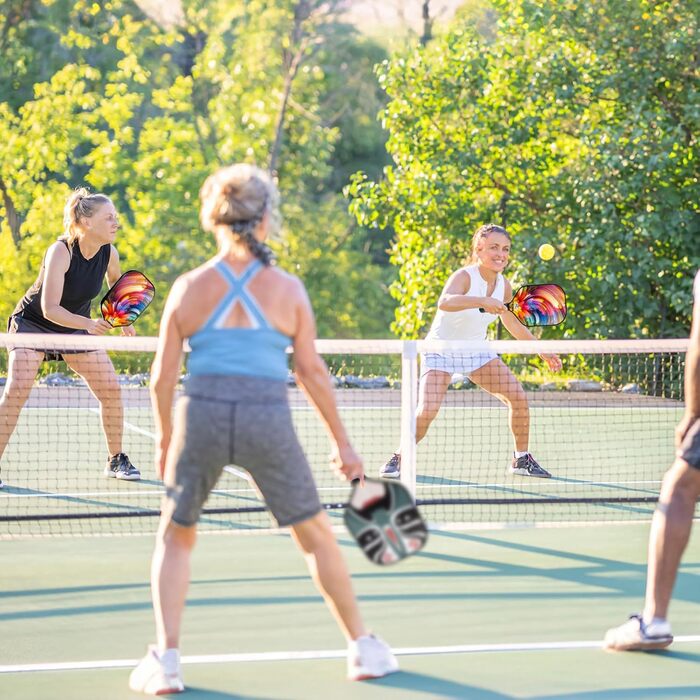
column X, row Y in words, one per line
column 438, row 687
column 88, row 600
column 195, row 693
column 617, row 576
column 681, row 656
column 593, row 576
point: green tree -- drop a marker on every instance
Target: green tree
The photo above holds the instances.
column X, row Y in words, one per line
column 145, row 114
column 574, row 125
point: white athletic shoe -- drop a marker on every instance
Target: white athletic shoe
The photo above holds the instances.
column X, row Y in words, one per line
column 634, row 635
column 158, row 674
column 370, row 657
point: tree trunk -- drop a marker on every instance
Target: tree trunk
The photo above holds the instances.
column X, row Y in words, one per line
column 292, row 63
column 13, row 218
column 427, row 24
column 503, row 209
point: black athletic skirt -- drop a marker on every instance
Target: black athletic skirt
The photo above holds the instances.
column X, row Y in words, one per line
column 18, row 324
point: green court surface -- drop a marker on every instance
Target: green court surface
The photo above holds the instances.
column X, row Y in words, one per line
column 596, row 446
column 513, row 613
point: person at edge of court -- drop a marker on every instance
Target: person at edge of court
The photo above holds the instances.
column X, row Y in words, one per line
column 59, row 302
column 673, row 517
column 478, row 285
column 240, row 313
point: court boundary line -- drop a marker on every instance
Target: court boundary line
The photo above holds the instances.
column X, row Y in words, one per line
column 341, row 530
column 374, row 407
column 245, row 657
column 325, row 489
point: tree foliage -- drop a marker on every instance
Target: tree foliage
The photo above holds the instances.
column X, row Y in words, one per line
column 576, row 124
column 98, row 93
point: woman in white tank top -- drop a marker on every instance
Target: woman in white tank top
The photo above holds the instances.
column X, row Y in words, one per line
column 480, row 284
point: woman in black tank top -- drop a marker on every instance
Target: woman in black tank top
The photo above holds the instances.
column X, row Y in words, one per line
column 59, row 301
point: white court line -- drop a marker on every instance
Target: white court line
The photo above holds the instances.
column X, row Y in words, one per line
column 120, row 494
column 474, row 487
column 421, row 488
column 342, row 530
column 240, row 474
column 320, row 654
column 231, row 470
column 580, row 482
column 128, row 425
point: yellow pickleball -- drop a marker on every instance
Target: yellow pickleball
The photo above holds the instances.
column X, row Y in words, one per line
column 546, row 251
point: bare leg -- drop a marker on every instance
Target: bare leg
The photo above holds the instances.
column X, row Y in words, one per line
column 170, row 579
column 670, row 530
column 97, row 370
column 329, row 572
column 431, row 393
column 21, row 372
column 496, row 378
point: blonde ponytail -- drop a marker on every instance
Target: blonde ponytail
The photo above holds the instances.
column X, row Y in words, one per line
column 80, row 205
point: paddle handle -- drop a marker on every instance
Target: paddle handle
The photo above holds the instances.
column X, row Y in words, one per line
column 483, row 311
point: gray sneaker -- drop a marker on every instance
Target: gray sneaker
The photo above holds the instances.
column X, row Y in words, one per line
column 634, row 635
column 392, row 469
column 527, row 466
column 119, row 467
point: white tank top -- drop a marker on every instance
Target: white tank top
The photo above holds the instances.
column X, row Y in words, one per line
column 468, row 324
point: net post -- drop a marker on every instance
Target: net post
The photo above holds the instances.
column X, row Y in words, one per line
column 409, row 401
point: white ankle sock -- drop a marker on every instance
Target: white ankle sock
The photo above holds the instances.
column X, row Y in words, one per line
column 520, row 454
column 655, row 622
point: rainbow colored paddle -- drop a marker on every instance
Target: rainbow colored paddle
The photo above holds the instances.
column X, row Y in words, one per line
column 127, row 299
column 538, row 305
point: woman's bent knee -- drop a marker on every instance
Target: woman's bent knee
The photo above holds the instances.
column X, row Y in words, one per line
column 178, row 535
column 314, row 532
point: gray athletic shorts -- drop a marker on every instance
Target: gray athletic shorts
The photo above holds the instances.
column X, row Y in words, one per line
column 245, row 421
column 690, row 447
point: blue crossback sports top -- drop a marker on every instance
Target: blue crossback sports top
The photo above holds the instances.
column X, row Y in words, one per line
column 258, row 351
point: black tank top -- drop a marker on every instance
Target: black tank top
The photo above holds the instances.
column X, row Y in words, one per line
column 82, row 283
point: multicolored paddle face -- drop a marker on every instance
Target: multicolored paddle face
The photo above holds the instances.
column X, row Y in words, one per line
column 127, row 299
column 538, row 305
column 384, row 521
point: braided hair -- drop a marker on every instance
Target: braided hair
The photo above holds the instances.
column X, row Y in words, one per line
column 238, row 197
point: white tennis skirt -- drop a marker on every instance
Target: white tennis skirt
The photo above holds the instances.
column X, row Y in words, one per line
column 453, row 363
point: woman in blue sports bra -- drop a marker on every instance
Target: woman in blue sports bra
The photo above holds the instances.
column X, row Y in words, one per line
column 240, row 313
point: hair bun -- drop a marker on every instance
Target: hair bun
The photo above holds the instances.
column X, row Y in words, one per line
column 80, row 193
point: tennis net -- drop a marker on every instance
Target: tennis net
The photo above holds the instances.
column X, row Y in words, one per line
column 603, row 426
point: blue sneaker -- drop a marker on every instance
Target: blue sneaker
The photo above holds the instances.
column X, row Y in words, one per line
column 392, row 469
column 119, row 467
column 527, row 466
